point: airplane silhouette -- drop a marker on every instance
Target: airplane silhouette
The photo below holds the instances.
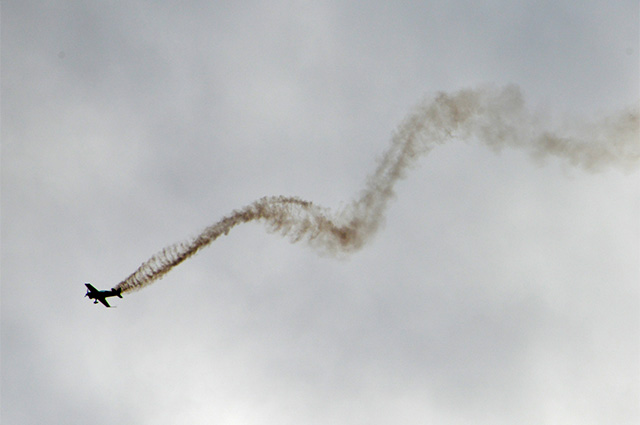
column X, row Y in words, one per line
column 101, row 296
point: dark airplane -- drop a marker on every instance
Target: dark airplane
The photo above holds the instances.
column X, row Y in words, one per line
column 101, row 296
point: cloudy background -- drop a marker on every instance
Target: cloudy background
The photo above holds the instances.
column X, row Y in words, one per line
column 499, row 291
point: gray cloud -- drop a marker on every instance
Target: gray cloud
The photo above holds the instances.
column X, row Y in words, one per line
column 498, row 291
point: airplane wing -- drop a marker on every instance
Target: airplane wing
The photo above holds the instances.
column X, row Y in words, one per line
column 104, row 301
column 90, row 286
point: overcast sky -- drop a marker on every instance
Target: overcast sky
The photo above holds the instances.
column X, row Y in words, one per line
column 500, row 290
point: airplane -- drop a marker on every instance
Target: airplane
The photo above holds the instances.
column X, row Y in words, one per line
column 101, row 296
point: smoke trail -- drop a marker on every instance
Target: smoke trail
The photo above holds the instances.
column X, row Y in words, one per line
column 496, row 117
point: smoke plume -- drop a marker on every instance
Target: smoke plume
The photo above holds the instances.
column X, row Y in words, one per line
column 494, row 116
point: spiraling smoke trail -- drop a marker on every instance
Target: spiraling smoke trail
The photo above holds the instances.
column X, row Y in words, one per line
column 494, row 116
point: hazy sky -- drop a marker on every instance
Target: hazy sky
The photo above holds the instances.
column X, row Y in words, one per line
column 500, row 290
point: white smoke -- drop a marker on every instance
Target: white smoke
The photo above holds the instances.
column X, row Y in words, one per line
column 496, row 117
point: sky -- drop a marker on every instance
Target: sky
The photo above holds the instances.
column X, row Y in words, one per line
column 499, row 289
